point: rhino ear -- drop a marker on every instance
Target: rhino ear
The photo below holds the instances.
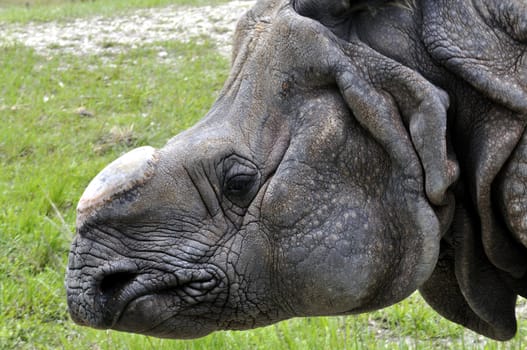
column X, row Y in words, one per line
column 466, row 288
column 404, row 112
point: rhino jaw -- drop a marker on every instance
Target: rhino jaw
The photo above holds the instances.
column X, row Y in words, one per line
column 128, row 171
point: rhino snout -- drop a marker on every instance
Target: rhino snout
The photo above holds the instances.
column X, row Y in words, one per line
column 124, row 295
column 128, row 171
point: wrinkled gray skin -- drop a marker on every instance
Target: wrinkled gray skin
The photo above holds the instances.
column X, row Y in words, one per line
column 359, row 150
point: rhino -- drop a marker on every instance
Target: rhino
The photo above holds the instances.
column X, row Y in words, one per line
column 358, row 151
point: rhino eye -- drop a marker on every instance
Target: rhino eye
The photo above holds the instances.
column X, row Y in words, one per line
column 241, row 183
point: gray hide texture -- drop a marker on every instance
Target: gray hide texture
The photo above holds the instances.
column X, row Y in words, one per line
column 359, row 151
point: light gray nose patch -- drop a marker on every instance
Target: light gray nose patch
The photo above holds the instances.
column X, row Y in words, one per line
column 124, row 173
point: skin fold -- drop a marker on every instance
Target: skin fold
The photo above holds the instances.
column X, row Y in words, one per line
column 359, row 151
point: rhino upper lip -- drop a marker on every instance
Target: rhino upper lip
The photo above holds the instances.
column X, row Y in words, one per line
column 117, row 288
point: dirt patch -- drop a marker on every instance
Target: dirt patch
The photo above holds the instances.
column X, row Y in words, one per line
column 109, row 35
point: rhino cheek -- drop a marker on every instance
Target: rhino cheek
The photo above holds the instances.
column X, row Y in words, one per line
column 332, row 261
column 340, row 276
column 331, row 251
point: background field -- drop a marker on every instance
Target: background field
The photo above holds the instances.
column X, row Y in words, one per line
column 62, row 118
column 21, row 11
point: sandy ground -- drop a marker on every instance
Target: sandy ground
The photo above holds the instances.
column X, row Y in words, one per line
column 109, row 35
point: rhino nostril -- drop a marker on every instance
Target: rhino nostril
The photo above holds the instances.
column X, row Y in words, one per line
column 112, row 284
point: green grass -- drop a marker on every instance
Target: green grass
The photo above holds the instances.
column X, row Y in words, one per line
column 63, row 119
column 23, row 11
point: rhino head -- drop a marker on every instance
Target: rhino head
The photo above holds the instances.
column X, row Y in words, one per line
column 319, row 183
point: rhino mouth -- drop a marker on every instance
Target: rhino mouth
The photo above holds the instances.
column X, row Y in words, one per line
column 129, row 300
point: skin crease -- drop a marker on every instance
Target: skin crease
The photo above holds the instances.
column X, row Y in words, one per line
column 485, row 76
column 348, row 161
